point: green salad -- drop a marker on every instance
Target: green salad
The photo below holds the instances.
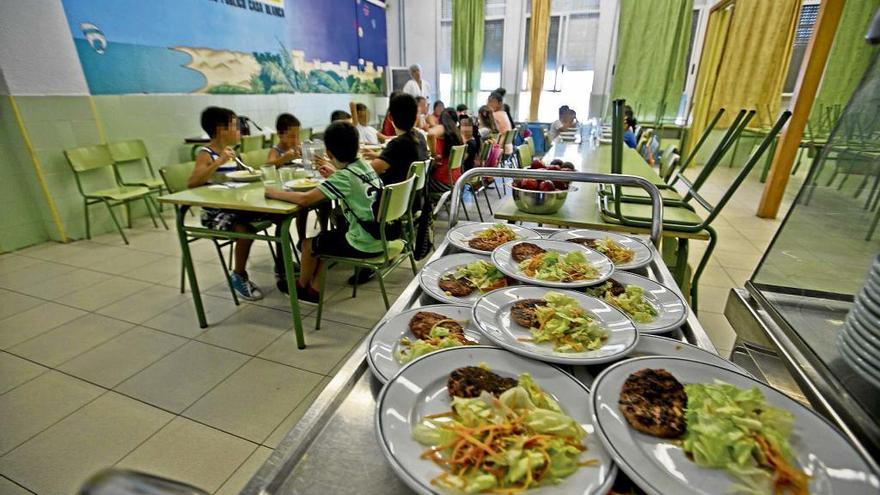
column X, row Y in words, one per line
column 631, row 301
column 736, row 430
column 559, row 267
column 439, row 338
column 508, row 444
column 567, row 325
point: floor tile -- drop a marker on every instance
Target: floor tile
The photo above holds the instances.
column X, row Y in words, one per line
column 7, row 487
column 34, row 406
column 61, row 285
column 249, row 330
column 100, row 295
column 35, row 321
column 293, row 418
column 363, row 311
column 144, row 305
column 245, row 472
column 187, row 451
column 121, row 265
column 739, row 277
column 193, row 370
column 742, row 261
column 96, row 256
column 165, row 272
column 34, row 274
column 14, row 371
column 12, row 303
column 61, row 458
column 324, row 347
column 713, row 299
column 12, row 262
column 70, row 339
column 719, row 330
column 121, row 357
column 254, row 399
column 181, row 319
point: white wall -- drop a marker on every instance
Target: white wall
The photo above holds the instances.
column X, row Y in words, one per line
column 36, row 50
column 421, row 32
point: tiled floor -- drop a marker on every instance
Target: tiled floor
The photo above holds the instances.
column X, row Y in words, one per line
column 102, row 362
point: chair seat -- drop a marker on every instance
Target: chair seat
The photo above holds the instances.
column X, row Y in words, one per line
column 676, row 215
column 638, row 192
column 394, row 250
column 150, row 182
column 120, row 193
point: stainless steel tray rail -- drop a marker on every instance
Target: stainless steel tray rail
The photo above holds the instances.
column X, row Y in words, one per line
column 333, row 449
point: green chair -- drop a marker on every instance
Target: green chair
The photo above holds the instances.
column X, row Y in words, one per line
column 95, row 174
column 531, row 142
column 133, row 165
column 441, row 199
column 418, row 170
column 255, row 158
column 524, row 155
column 175, row 178
column 394, row 205
column 251, row 143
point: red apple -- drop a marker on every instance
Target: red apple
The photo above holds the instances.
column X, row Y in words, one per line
column 517, row 183
column 530, row 184
column 547, row 185
column 560, row 184
column 553, row 167
column 537, row 163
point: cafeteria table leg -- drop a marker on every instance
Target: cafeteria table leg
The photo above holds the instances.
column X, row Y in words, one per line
column 291, row 277
column 190, row 270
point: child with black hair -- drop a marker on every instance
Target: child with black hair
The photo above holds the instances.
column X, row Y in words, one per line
column 221, row 125
column 287, row 126
column 354, row 183
column 368, row 134
column 409, row 146
column 340, row 115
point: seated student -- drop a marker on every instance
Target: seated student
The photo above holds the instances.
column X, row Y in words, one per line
column 387, row 125
column 287, row 126
column 350, row 181
column 487, row 125
column 368, row 134
column 422, row 116
column 340, row 115
column 471, row 140
column 563, row 122
column 462, row 110
column 629, row 135
column 221, row 124
column 409, row 146
column 447, row 136
column 434, row 118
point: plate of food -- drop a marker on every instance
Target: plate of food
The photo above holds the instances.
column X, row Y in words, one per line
column 243, row 176
column 653, row 308
column 560, row 264
column 627, row 253
column 558, row 326
column 483, row 238
column 683, row 426
column 417, row 332
column 304, row 183
column 484, row 420
column 461, row 278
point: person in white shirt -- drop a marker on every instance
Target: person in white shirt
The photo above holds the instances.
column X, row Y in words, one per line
column 416, row 86
column 368, row 134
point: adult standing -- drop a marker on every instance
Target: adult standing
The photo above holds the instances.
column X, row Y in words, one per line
column 416, row 86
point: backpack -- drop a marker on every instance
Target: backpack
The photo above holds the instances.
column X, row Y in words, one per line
column 393, row 230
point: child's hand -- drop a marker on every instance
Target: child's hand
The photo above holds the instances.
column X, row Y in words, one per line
column 290, row 154
column 370, row 154
column 326, row 170
column 271, row 193
column 227, row 155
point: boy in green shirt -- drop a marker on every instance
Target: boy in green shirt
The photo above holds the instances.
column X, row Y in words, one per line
column 353, row 183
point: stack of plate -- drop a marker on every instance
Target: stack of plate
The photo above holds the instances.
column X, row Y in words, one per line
column 859, row 341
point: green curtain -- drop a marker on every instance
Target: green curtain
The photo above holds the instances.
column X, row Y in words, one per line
column 467, row 51
column 847, row 63
column 652, row 44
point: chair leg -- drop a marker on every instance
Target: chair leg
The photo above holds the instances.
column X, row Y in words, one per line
column 88, row 223
column 157, row 209
column 381, row 278
column 463, row 207
column 488, row 203
column 115, row 221
column 182, row 277
column 321, row 296
column 412, row 262
column 150, row 211
column 128, row 214
column 225, row 271
column 354, row 287
column 695, row 280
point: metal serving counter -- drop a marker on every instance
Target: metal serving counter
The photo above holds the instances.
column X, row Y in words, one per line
column 334, row 450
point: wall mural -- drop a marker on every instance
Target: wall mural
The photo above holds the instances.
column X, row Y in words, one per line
column 230, row 46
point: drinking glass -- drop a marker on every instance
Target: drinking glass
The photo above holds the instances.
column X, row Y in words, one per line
column 270, row 176
column 285, row 174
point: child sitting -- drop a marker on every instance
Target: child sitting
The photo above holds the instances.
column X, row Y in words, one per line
column 221, row 125
column 354, row 183
column 287, row 126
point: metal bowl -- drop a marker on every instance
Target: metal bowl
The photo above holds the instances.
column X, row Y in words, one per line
column 539, row 202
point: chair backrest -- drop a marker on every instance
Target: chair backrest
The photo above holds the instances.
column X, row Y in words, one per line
column 456, row 157
column 525, row 155
column 251, row 143
column 485, row 148
column 255, row 158
column 395, row 201
column 92, row 167
column 419, row 170
column 126, row 151
column 176, row 176
column 666, row 162
column 531, row 142
column 508, row 137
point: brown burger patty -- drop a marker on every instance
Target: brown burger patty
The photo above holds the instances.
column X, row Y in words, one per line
column 653, row 402
column 484, row 244
column 590, row 243
column 457, row 287
column 470, row 381
column 525, row 250
column 523, row 312
column 421, row 324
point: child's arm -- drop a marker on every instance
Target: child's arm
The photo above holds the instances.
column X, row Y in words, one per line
column 205, row 167
column 279, row 159
column 304, row 199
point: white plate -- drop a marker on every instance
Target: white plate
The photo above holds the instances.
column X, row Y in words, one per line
column 856, row 322
column 502, row 259
column 864, row 349
column 642, row 251
column 671, row 309
column 420, row 389
column 243, row 176
column 297, row 161
column 659, row 466
column 857, row 363
column 385, row 339
column 430, row 275
column 655, row 345
column 492, row 314
column 869, row 300
column 461, row 234
column 303, row 184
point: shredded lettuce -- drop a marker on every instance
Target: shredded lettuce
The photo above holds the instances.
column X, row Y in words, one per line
column 485, row 276
column 440, row 338
column 567, row 325
column 554, row 266
column 632, row 302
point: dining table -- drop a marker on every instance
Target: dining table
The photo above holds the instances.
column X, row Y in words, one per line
column 247, row 197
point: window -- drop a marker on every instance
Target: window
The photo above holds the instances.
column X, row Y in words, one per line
column 493, row 46
column 802, row 35
column 571, row 55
